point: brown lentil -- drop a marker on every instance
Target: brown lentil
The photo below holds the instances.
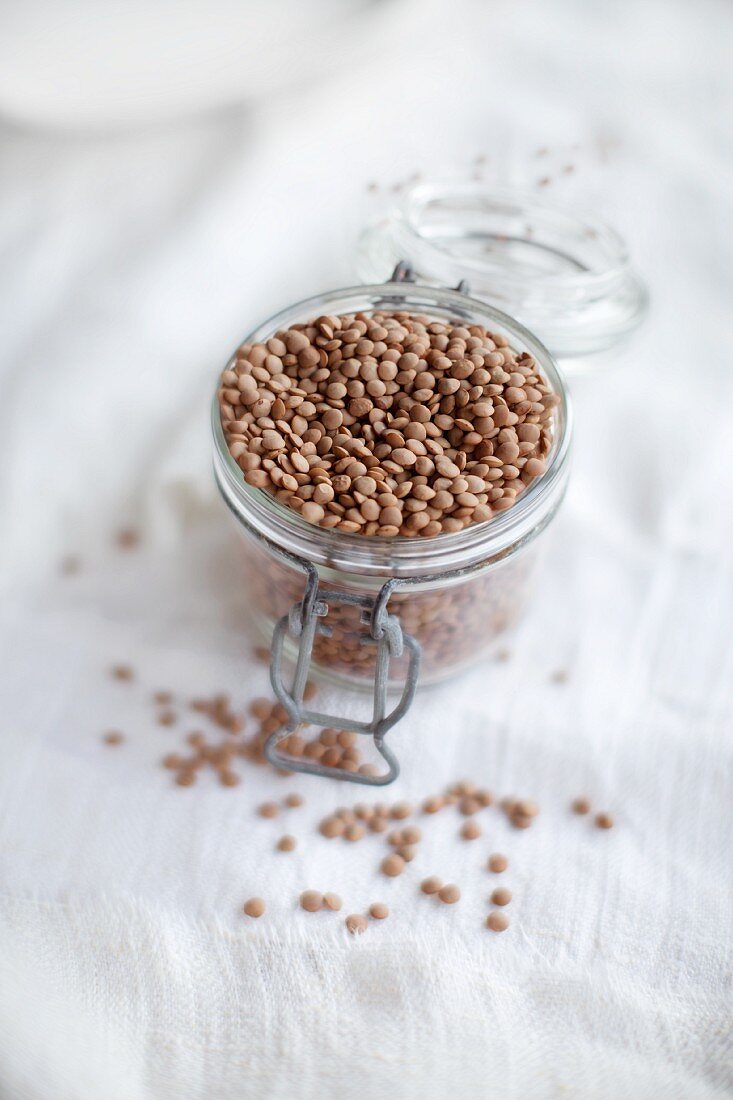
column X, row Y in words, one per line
column 113, row 737
column 378, row 910
column 127, row 538
column 497, row 922
column 580, row 806
column 255, row 907
column 470, row 830
column 604, row 820
column 332, row 902
column 311, row 901
column 287, row 843
column 501, row 896
column 268, row 809
column 401, row 810
column 449, row 894
column 526, row 808
column 294, row 800
column 331, row 827
column 393, row 865
column 122, row 672
column 356, row 924
column 497, row 863
column 431, row 885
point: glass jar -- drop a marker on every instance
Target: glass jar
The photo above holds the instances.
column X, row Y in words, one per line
column 364, row 611
column 562, row 272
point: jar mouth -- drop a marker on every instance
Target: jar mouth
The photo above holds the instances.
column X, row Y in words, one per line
column 564, row 272
column 401, row 556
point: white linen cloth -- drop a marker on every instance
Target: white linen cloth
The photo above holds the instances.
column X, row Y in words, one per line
column 132, row 263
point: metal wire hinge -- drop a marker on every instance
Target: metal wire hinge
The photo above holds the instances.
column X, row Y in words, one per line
column 405, row 273
column 304, row 621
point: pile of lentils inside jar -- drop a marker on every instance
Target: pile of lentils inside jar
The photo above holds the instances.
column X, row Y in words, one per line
column 388, row 423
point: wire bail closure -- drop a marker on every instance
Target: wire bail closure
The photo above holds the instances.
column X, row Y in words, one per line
column 304, row 621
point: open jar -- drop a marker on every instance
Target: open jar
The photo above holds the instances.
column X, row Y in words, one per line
column 384, row 613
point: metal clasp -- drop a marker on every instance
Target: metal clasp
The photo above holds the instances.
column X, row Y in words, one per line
column 405, row 273
column 304, row 621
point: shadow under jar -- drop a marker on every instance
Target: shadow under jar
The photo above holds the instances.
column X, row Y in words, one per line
column 451, row 597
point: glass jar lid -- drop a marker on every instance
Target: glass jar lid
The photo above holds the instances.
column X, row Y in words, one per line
column 563, row 273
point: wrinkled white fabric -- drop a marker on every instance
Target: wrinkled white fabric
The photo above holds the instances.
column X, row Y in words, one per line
column 131, row 265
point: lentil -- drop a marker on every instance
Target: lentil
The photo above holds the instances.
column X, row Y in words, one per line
column 128, row 538
column 449, row 894
column 113, row 737
column 122, row 672
column 332, row 902
column 393, row 865
column 501, row 896
column 401, row 810
column 497, row 922
column 580, row 806
column 497, row 863
column 378, row 910
column 356, row 924
column 604, row 820
column 255, row 907
column 431, row 885
column 311, row 901
column 287, row 843
column 331, row 827
column 470, row 830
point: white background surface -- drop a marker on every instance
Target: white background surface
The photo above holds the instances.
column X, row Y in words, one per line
column 133, row 259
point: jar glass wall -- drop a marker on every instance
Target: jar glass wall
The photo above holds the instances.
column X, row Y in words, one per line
column 457, row 593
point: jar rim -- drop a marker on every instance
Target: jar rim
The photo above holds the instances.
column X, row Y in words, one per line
column 401, row 556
